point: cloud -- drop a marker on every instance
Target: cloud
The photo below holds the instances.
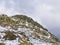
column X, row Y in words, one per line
column 11, row 2
column 47, row 13
column 6, row 10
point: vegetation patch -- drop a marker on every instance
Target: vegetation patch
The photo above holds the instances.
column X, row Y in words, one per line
column 25, row 43
column 44, row 33
column 2, row 44
column 9, row 36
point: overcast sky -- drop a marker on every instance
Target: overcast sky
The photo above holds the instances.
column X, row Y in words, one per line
column 46, row 12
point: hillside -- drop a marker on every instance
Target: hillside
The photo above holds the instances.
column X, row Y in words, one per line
column 23, row 30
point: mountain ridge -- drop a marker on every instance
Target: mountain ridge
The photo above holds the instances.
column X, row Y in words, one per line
column 25, row 29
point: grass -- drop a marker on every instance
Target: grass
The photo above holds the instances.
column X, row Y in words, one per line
column 45, row 33
column 2, row 44
column 25, row 43
column 9, row 36
column 8, row 21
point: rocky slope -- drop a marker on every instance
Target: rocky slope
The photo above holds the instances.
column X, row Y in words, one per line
column 23, row 30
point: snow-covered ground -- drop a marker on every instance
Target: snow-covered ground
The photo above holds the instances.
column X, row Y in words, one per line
column 27, row 32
